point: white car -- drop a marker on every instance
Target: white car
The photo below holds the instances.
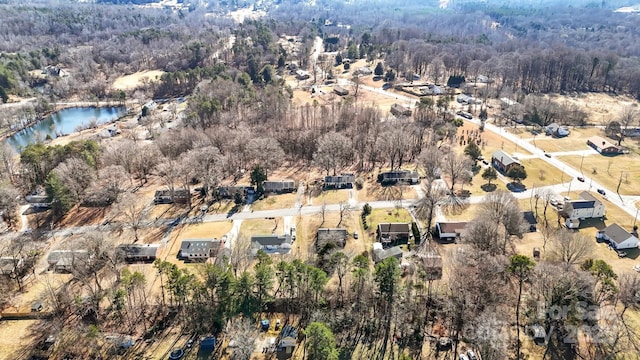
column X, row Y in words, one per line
column 636, row 267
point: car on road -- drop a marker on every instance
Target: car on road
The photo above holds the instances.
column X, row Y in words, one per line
column 547, row 155
column 601, row 192
column 580, row 178
column 176, row 354
column 465, row 115
column 485, row 162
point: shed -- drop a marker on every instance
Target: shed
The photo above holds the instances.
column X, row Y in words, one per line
column 400, row 110
column 339, row 90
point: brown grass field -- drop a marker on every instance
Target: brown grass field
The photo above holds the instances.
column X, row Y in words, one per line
column 577, row 140
column 609, row 171
column 130, row 82
column 273, row 201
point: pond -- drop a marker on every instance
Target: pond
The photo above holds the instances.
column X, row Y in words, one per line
column 64, row 122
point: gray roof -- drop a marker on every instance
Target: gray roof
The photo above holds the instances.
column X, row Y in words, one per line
column 139, row 250
column 271, row 240
column 198, row 245
column 400, row 174
column 616, row 233
column 66, row 257
column 381, row 255
column 504, row 158
column 344, row 178
column 587, row 196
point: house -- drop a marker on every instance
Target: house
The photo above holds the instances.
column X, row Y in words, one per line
column 604, row 147
column 587, row 207
column 380, row 254
column 400, row 110
column 399, row 176
column 229, row 192
column 502, row 161
column 193, row 250
column 344, row 181
column 530, row 218
column 335, row 236
column 55, row 71
column 281, row 186
column 450, row 231
column 365, row 70
column 139, row 252
column 631, row 132
column 466, row 99
column 288, row 339
column 393, row 233
column 506, row 102
column 66, row 260
column 302, row 75
column 166, row 196
column 618, row 237
column 557, row 130
column 339, row 90
column 483, row 79
column 9, row 265
column 272, row 244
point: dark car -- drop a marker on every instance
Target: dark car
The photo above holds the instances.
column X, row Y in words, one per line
column 580, row 178
column 176, row 354
column 547, row 155
column 601, row 192
column 485, row 162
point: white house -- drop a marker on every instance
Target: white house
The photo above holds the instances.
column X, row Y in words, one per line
column 586, row 207
column 618, row 237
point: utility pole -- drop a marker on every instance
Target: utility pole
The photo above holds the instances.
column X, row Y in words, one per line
column 619, row 182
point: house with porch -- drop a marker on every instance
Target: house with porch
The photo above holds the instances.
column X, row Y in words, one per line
column 502, row 161
column 618, row 237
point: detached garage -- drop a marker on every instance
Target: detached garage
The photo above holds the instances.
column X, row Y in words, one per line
column 618, row 237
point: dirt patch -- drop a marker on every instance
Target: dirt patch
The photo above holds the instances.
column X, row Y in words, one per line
column 15, row 337
column 132, row 81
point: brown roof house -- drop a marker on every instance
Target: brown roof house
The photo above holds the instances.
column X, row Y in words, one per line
column 450, row 230
column 66, row 260
column 604, row 146
column 393, row 233
column 400, row 110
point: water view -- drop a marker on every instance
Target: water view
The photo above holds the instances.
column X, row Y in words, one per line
column 64, row 122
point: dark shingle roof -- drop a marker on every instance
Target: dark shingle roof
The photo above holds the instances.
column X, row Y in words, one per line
column 271, row 240
column 582, row 204
column 616, row 233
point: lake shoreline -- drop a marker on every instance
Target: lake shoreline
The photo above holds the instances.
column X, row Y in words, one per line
column 57, row 107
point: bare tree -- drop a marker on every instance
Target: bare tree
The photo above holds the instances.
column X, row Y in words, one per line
column 569, row 247
column 334, row 152
column 9, row 197
column 133, row 212
column 208, row 165
column 76, row 175
column 344, row 210
column 242, row 331
column 455, row 167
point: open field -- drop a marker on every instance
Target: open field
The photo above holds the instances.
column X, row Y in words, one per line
column 331, row 197
column 610, row 170
column 261, row 227
column 271, row 202
column 130, row 82
column 577, row 140
column 539, row 173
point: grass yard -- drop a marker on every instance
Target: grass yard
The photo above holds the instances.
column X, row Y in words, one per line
column 193, row 231
column 577, row 140
column 331, row 197
column 539, row 173
column 272, row 202
column 460, row 213
column 261, row 227
column 609, row 169
column 130, row 82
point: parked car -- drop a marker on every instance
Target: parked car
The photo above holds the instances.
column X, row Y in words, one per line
column 355, row 234
column 463, row 357
column 622, row 254
column 601, row 192
column 37, row 306
column 472, row 355
column 485, row 162
column 176, row 354
column 636, row 268
column 580, row 178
